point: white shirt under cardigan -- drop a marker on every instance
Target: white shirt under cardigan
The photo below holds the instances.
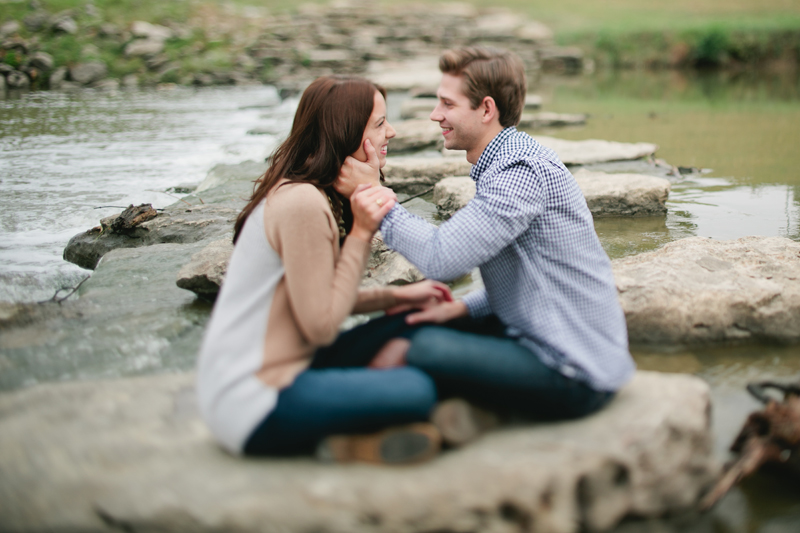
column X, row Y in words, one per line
column 545, row 273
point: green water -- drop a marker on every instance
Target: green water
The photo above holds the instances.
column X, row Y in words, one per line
column 743, row 132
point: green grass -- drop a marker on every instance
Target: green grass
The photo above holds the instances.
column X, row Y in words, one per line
column 614, row 32
column 648, row 32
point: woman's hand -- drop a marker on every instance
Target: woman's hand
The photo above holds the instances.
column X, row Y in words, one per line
column 419, row 296
column 369, row 204
column 354, row 172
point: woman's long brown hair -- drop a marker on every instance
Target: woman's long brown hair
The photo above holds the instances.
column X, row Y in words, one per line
column 328, row 126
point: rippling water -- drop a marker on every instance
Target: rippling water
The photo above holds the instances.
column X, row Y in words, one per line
column 64, row 157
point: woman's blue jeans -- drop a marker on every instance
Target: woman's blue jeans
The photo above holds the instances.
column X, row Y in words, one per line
column 339, row 395
column 469, row 359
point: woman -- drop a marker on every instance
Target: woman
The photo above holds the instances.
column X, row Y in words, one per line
column 273, row 377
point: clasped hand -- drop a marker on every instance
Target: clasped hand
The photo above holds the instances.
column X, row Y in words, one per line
column 432, row 300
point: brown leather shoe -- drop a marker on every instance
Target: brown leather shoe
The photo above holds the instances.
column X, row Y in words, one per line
column 460, row 422
column 398, row 445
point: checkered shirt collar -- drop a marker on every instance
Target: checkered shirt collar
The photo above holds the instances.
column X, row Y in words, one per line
column 490, row 152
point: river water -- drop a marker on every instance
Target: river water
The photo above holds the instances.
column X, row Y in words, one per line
column 65, row 156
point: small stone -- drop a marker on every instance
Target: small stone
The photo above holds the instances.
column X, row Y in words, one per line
column 451, row 194
column 9, row 28
column 532, row 102
column 562, row 60
column 41, row 60
column 205, row 272
column 106, row 85
column 535, row 32
column 58, row 77
column 65, row 25
column 152, row 32
column 36, row 21
column 89, row 72
column 130, row 81
column 144, row 48
column 108, row 29
column 17, row 80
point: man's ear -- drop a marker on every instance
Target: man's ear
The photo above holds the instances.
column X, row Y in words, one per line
column 489, row 109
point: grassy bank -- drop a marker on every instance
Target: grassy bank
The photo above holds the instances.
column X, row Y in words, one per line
column 212, row 35
column 675, row 33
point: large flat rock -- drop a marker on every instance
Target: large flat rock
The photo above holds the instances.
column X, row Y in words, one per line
column 178, row 223
column 208, row 213
column 546, row 119
column 416, row 174
column 623, row 194
column 596, row 151
column 607, row 195
column 416, row 134
column 129, row 317
column 133, row 455
column 700, row 290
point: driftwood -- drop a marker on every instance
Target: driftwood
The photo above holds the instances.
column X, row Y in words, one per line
column 770, row 436
column 127, row 221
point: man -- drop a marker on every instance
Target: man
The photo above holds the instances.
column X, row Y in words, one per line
column 547, row 336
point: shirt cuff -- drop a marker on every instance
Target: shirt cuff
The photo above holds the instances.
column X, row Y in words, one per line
column 477, row 303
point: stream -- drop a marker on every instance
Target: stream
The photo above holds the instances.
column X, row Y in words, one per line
column 69, row 159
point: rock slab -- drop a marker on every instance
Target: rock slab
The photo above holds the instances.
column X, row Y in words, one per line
column 623, row 194
column 415, row 174
column 606, row 195
column 133, row 455
column 416, row 134
column 451, row 194
column 596, row 151
column 204, row 274
column 700, row 290
column 178, row 223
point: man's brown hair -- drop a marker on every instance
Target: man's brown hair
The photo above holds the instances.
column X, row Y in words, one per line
column 489, row 72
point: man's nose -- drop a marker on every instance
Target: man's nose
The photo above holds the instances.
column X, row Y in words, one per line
column 436, row 114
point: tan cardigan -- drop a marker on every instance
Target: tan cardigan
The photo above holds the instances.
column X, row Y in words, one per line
column 320, row 286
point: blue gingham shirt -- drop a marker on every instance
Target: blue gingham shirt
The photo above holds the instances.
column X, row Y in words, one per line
column 545, row 273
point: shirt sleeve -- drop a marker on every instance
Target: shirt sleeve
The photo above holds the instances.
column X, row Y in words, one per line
column 504, row 206
column 477, row 303
column 322, row 290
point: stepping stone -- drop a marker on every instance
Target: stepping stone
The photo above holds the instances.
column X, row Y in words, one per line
column 413, row 175
column 550, row 120
column 134, row 454
column 700, row 290
column 606, row 194
column 596, row 151
column 416, row 134
column 623, row 194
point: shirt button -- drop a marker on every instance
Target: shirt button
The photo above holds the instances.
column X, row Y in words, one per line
column 568, row 371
